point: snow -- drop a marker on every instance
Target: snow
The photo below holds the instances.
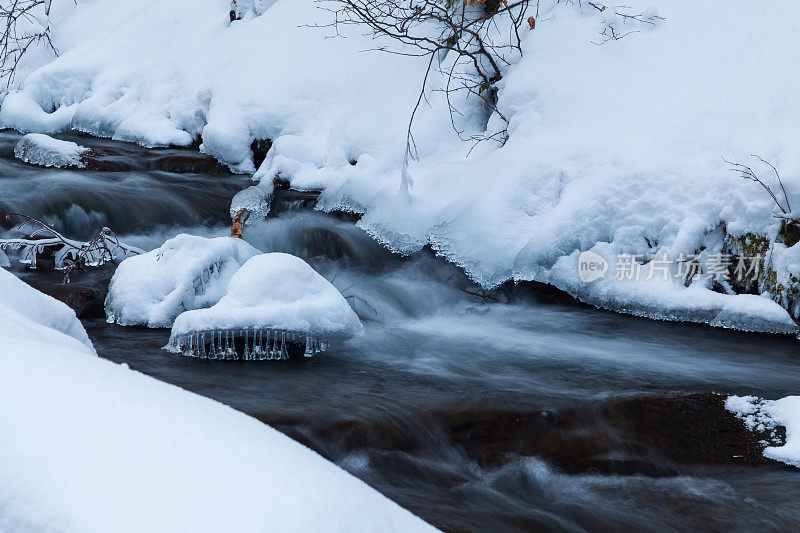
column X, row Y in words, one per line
column 31, row 308
column 278, row 292
column 186, row 272
column 660, row 295
column 619, row 143
column 89, row 445
column 764, row 415
column 43, row 150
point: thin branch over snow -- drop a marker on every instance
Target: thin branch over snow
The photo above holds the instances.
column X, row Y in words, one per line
column 473, row 41
column 748, row 173
column 25, row 23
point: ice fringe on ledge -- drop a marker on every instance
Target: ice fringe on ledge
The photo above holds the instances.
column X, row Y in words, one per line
column 254, row 344
column 274, row 301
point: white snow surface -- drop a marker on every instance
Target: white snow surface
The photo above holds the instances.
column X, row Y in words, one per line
column 764, row 415
column 35, row 311
column 43, row 150
column 655, row 291
column 186, row 272
column 619, row 143
column 281, row 292
column 92, row 446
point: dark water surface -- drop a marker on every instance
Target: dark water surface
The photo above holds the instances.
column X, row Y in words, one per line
column 475, row 415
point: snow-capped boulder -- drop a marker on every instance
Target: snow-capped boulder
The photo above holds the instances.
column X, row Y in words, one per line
column 273, row 301
column 186, row 272
column 45, row 151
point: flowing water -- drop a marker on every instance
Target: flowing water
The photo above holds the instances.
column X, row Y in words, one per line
column 517, row 410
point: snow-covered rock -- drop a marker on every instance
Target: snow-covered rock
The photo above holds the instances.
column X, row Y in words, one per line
column 764, row 416
column 274, row 298
column 255, row 200
column 186, row 272
column 45, row 151
column 92, row 446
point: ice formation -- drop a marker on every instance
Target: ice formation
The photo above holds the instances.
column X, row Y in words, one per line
column 186, row 272
column 254, row 200
column 43, row 150
column 275, row 301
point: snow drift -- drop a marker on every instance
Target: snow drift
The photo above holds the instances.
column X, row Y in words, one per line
column 89, row 445
column 618, row 143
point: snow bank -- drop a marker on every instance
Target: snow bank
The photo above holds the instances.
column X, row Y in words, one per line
column 186, row 272
column 89, row 445
column 655, row 291
column 618, row 143
column 25, row 305
column 45, row 151
column 764, row 415
column 277, row 293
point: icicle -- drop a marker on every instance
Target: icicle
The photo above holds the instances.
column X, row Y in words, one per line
column 245, row 350
column 308, row 352
column 271, row 342
column 213, row 354
column 323, row 346
column 203, row 345
column 230, row 339
column 234, row 353
column 284, row 353
column 262, row 347
column 189, row 346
